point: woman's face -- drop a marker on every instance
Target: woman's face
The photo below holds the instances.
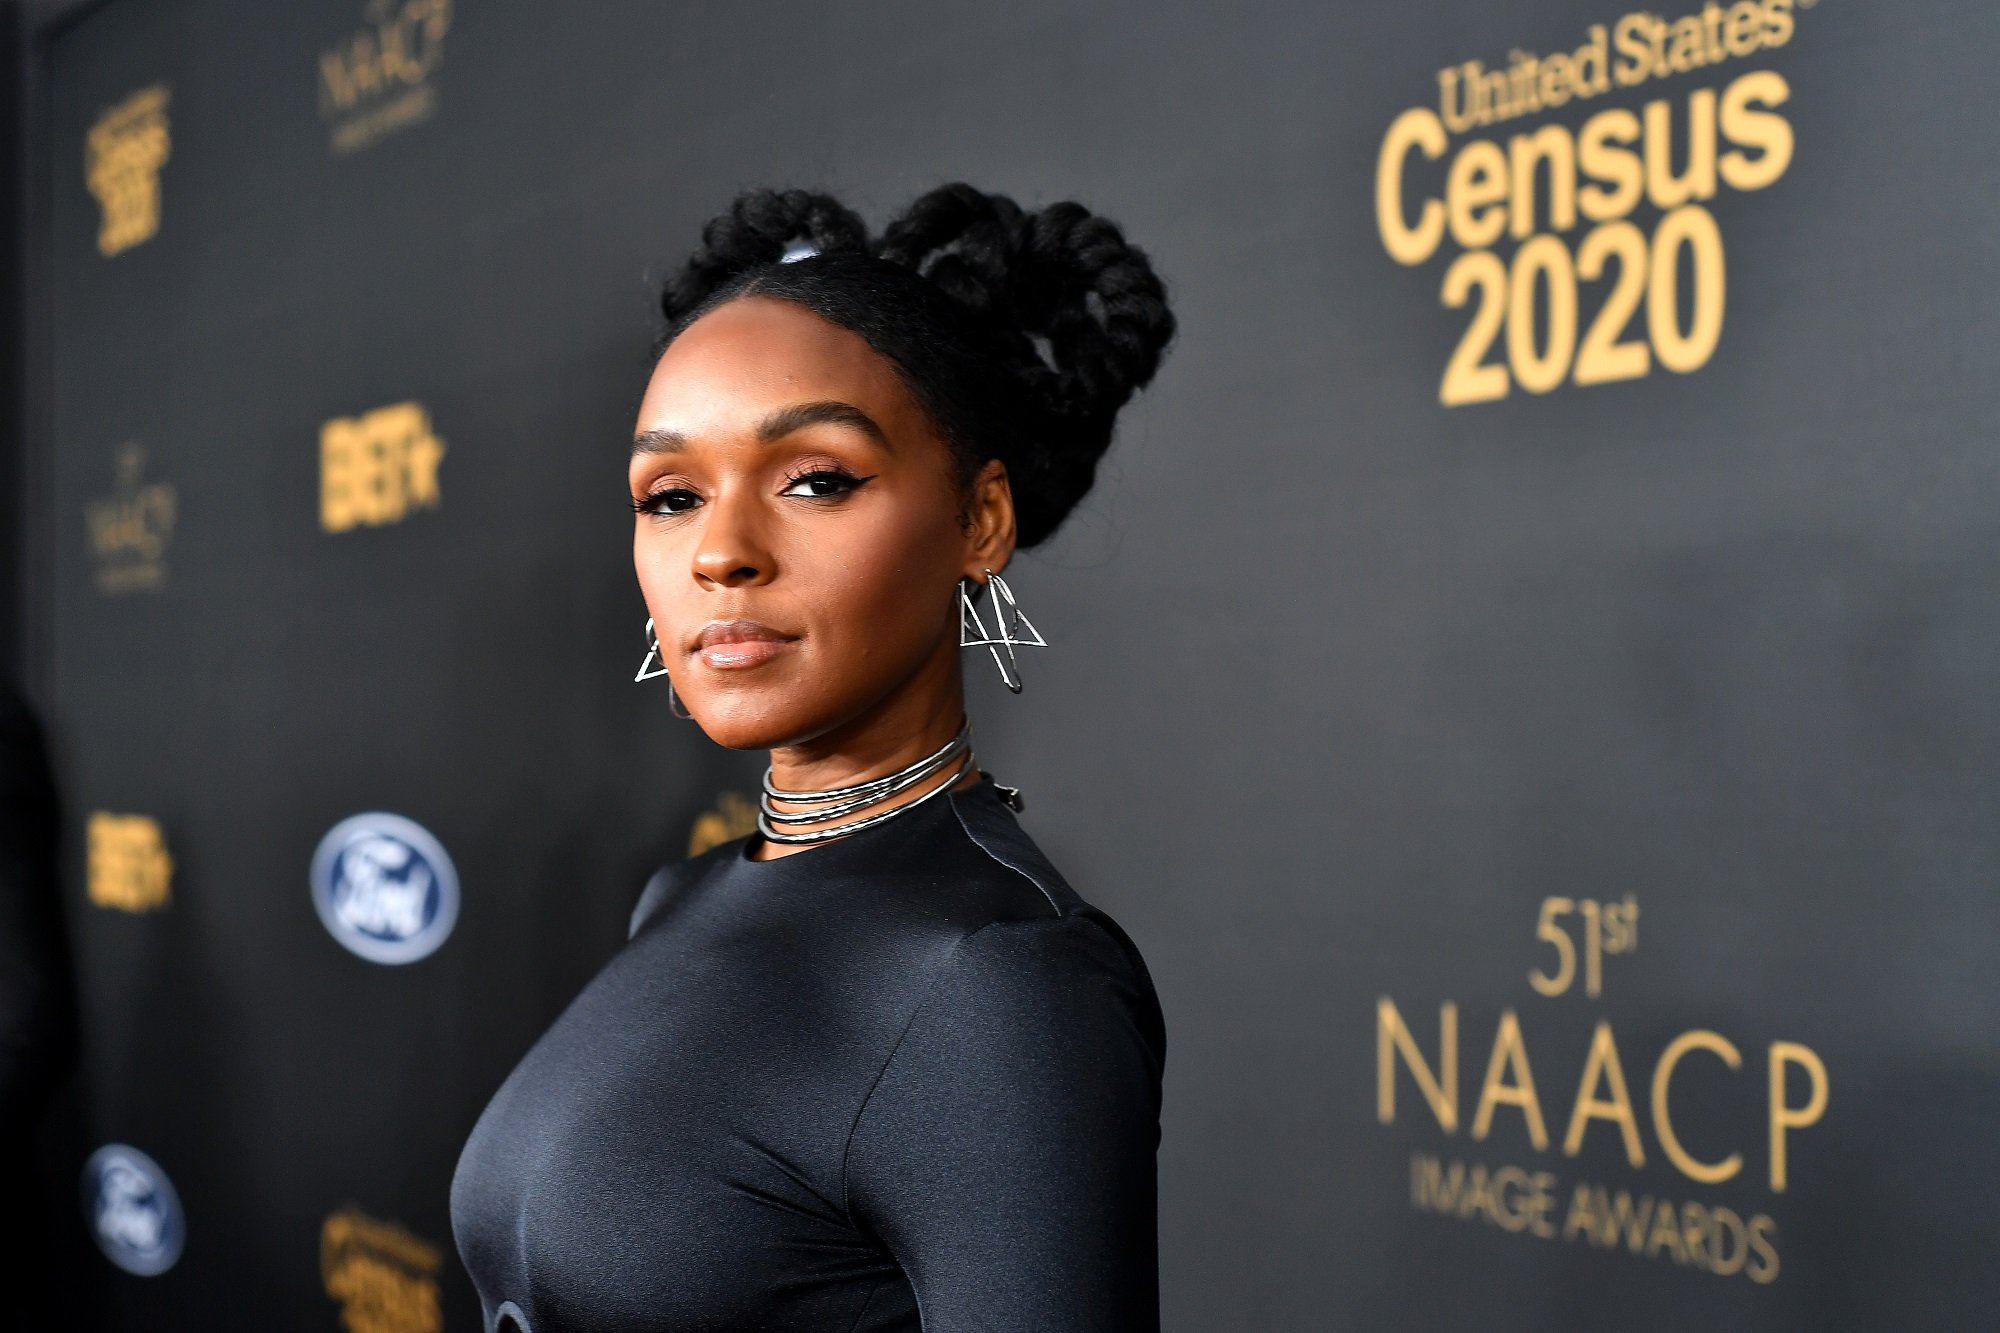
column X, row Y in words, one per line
column 798, row 537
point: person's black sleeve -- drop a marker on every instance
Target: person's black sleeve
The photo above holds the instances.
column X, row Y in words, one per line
column 37, row 1007
column 1006, row 1154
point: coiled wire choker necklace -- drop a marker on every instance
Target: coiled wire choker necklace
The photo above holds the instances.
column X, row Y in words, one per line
column 837, row 801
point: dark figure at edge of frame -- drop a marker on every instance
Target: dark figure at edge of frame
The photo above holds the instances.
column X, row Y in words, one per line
column 38, row 1020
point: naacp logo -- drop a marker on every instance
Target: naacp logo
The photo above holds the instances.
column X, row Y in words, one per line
column 131, row 527
column 133, row 1210
column 385, row 888
column 381, row 78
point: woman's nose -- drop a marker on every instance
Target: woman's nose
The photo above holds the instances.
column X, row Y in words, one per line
column 732, row 551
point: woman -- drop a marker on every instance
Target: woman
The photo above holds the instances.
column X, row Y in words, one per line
column 876, row 1066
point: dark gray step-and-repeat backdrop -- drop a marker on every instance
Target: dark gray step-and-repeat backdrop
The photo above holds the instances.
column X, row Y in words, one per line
column 1525, row 679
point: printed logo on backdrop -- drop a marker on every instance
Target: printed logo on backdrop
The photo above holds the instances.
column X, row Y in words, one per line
column 1779, row 1085
column 122, row 157
column 132, row 1210
column 378, row 467
column 385, row 888
column 127, row 866
column 1546, row 307
column 384, row 1277
column 382, row 77
column 130, row 528
column 734, row 816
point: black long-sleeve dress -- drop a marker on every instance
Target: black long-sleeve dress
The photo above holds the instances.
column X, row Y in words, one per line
column 903, row 1080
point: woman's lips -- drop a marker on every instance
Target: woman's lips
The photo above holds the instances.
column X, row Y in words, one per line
column 728, row 645
column 741, row 653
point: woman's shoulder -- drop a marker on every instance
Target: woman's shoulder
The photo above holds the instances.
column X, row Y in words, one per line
column 1080, row 966
column 1034, row 1035
column 988, row 823
column 1072, row 946
column 668, row 882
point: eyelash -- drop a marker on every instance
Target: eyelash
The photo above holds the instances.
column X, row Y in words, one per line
column 652, row 504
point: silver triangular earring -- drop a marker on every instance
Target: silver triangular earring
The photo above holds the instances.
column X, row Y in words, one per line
column 1013, row 628
column 652, row 656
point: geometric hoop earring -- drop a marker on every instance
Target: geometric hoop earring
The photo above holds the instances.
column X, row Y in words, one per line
column 652, row 656
column 1012, row 629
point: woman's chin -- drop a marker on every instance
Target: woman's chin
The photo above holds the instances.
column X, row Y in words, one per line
column 739, row 720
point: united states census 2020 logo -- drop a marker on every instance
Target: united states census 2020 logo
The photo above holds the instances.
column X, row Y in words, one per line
column 385, row 888
column 133, row 1210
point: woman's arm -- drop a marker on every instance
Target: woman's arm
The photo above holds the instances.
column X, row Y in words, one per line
column 1006, row 1153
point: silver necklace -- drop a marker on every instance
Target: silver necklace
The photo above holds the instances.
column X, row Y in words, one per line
column 834, row 802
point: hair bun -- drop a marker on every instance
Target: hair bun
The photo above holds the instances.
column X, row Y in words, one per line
column 1061, row 278
column 758, row 229
column 1020, row 333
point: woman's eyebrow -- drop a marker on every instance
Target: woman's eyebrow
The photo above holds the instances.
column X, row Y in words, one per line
column 777, row 425
column 658, row 442
column 828, row 412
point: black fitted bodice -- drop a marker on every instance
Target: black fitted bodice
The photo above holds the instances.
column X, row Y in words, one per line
column 904, row 1080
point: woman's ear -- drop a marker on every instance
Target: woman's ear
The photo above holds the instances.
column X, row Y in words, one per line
column 990, row 521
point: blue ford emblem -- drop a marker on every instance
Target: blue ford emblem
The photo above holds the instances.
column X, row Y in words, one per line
column 385, row 888
column 133, row 1210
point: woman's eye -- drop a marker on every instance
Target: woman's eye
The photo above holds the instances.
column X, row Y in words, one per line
column 821, row 485
column 674, row 501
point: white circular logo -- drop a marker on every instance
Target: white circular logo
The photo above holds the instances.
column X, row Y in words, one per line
column 385, row 888
column 133, row 1210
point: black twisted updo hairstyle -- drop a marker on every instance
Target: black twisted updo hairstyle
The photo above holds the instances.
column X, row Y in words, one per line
column 1020, row 333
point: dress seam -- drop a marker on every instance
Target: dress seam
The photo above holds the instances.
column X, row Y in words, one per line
column 854, row 1127
column 998, row 859
column 870, row 1300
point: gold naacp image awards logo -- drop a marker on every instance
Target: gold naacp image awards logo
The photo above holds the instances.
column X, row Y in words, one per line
column 1698, row 1082
column 129, row 529
column 123, row 154
column 378, row 467
column 379, row 79
column 128, row 867
column 384, row 1278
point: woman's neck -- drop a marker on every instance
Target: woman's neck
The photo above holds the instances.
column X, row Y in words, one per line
column 766, row 850
column 917, row 723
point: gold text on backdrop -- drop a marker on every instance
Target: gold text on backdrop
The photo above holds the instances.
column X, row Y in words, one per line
column 1544, row 184
column 1583, row 935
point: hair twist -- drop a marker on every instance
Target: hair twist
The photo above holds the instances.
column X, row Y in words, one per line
column 756, row 231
